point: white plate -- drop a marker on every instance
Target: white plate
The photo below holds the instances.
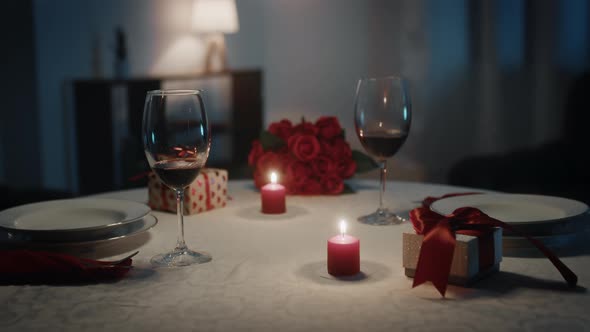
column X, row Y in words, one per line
column 552, row 242
column 515, row 209
column 27, row 240
column 83, row 214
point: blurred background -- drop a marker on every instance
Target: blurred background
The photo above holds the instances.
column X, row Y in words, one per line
column 499, row 87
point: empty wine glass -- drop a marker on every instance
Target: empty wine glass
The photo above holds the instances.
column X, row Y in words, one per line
column 176, row 140
column 382, row 117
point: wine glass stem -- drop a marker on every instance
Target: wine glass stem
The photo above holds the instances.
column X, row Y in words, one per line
column 180, row 245
column 383, row 180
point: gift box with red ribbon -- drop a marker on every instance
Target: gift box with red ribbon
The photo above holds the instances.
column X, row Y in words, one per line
column 473, row 258
column 208, row 191
column 460, row 247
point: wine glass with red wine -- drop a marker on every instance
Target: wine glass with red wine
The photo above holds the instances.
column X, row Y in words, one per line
column 382, row 117
column 176, row 140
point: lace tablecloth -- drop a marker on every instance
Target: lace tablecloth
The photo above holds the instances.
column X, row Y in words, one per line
column 268, row 274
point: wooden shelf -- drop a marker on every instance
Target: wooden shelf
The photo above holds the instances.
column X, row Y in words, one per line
column 107, row 115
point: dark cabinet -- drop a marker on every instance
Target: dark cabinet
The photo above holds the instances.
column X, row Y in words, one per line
column 107, row 149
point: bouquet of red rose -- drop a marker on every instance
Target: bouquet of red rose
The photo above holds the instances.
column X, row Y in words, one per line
column 310, row 158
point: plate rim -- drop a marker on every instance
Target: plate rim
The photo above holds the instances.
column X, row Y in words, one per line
column 150, row 221
column 17, row 209
column 551, row 241
column 523, row 222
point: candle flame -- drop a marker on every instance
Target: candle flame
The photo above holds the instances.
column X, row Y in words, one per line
column 342, row 227
column 273, row 177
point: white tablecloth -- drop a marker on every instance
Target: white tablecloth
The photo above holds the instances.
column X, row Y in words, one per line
column 268, row 274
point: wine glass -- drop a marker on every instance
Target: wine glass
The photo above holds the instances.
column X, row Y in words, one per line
column 382, row 117
column 176, row 140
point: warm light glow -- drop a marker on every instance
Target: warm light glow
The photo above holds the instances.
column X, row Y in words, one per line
column 182, row 55
column 342, row 227
column 384, row 100
column 273, row 177
column 213, row 16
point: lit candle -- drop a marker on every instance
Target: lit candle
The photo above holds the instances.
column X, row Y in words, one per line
column 273, row 196
column 343, row 254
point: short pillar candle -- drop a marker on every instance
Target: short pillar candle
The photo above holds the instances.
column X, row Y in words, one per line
column 343, row 254
column 273, row 196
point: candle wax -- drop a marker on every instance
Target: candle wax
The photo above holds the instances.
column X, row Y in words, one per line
column 273, row 198
column 343, row 255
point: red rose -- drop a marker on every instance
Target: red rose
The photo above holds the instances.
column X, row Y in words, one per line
column 298, row 173
column 332, row 184
column 270, row 162
column 260, row 179
column 315, row 160
column 282, row 129
column 323, row 165
column 310, row 187
column 304, row 147
column 337, row 149
column 299, row 170
column 306, row 128
column 345, row 168
column 255, row 153
column 328, row 127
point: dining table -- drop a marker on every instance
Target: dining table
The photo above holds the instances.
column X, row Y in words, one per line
column 268, row 273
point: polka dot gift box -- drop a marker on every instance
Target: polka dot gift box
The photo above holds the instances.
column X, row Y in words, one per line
column 207, row 192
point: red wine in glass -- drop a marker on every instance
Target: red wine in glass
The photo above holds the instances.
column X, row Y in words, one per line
column 383, row 145
column 177, row 173
column 176, row 139
column 382, row 118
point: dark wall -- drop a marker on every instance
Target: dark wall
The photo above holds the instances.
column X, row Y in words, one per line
column 19, row 118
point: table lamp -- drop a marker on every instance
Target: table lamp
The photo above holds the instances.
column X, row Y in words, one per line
column 213, row 18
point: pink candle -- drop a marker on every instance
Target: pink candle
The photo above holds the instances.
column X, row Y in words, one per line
column 273, row 196
column 343, row 254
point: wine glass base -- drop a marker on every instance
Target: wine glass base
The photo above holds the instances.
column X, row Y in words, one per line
column 381, row 217
column 180, row 257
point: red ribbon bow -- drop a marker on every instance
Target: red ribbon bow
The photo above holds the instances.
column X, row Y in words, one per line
column 436, row 254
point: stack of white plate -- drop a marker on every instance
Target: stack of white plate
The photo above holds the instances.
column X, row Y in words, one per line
column 82, row 221
column 555, row 221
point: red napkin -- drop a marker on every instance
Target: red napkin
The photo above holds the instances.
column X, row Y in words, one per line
column 40, row 267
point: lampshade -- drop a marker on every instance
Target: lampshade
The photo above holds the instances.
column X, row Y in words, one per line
column 211, row 16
